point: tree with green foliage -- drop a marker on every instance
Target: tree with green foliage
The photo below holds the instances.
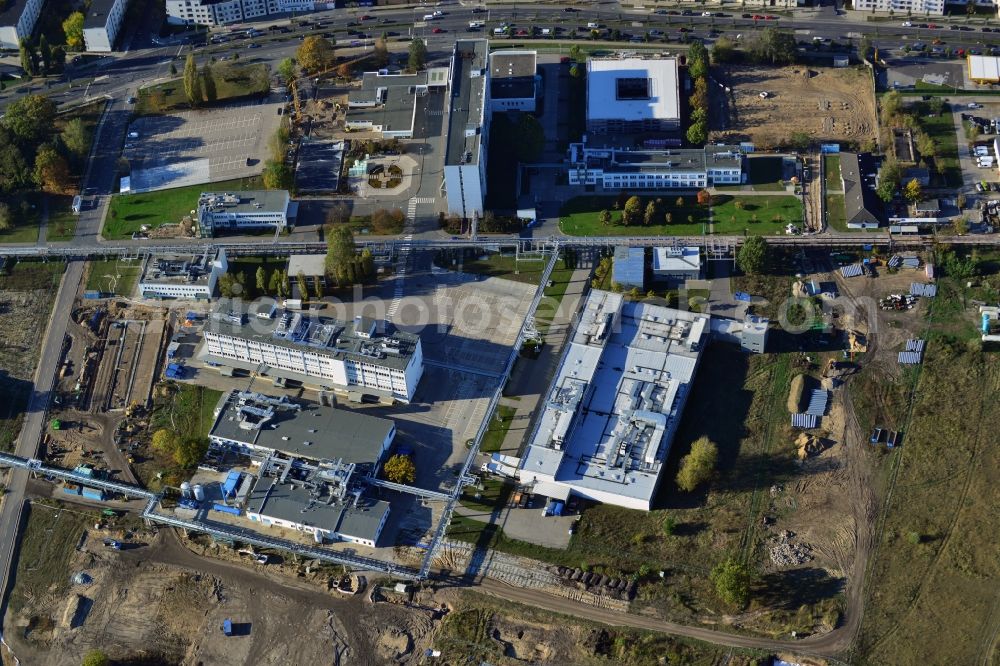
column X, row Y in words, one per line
column 418, row 55
column 51, row 171
column 31, row 119
column 605, row 217
column 192, row 82
column 960, row 226
column 6, row 218
column 669, row 526
column 752, row 255
column 400, row 469
column 261, row 279
column 315, row 54
column 698, row 466
column 800, row 141
column 278, row 176
column 300, row 282
column 340, row 252
column 651, row 214
column 925, row 145
column 27, row 58
column 317, row 287
column 95, row 658
column 913, row 192
column 45, row 53
column 892, row 105
column 190, row 452
column 208, row 83
column 14, row 170
column 73, row 29
column 576, row 54
column 76, row 137
column 772, row 46
column 380, row 52
column 58, row 57
column 697, row 133
column 732, row 582
column 165, row 441
column 723, row 51
column 632, row 213
column 697, row 60
column 286, row 68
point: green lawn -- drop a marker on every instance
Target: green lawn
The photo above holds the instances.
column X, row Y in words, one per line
column 942, row 130
column 25, row 210
column 836, row 214
column 580, row 216
column 113, row 276
column 232, row 81
column 761, row 215
column 764, row 173
column 128, row 212
column 62, row 219
column 831, row 165
column 493, row 438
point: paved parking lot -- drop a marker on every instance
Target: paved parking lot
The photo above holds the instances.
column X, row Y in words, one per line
column 194, row 147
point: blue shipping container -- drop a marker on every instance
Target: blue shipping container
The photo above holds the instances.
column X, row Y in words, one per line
column 232, row 510
column 94, row 494
column 227, row 627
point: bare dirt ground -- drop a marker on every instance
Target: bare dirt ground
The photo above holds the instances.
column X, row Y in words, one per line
column 827, row 104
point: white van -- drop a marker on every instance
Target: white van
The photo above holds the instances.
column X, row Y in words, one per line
column 133, row 135
column 428, row 17
column 593, row 25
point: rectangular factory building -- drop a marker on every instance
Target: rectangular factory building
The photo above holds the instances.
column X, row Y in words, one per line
column 242, row 211
column 259, row 425
column 632, row 95
column 468, row 128
column 182, row 276
column 611, row 413
column 616, row 168
column 358, row 356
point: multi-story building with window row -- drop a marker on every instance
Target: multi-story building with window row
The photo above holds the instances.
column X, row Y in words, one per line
column 101, row 24
column 17, row 20
column 240, row 211
column 654, row 169
column 350, row 357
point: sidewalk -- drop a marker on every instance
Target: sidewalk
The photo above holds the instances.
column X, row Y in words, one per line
column 530, row 379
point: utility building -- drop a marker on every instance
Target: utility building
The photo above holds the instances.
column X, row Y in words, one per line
column 676, row 264
column 609, row 419
column 179, row 276
column 355, row 357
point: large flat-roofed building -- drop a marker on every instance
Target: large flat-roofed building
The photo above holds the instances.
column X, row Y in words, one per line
column 514, row 81
column 356, row 519
column 676, row 264
column 658, row 169
column 257, row 424
column 632, row 95
column 351, row 357
column 390, row 103
column 468, row 128
column 182, row 276
column 101, row 24
column 984, row 69
column 244, row 211
column 611, row 413
column 17, row 21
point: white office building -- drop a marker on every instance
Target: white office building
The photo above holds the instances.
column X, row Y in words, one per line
column 654, row 169
column 468, row 128
column 177, row 276
column 632, row 95
column 676, row 264
column 102, row 23
column 244, row 211
column 353, row 357
column 514, row 81
column 17, row 21
column 611, row 413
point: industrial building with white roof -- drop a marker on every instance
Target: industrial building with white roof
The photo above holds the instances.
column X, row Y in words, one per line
column 351, row 357
column 632, row 95
column 616, row 402
column 182, row 276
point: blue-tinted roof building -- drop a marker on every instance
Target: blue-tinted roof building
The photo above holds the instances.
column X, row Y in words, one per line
column 629, row 267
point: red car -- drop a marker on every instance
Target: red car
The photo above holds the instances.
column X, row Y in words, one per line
column 771, row 17
column 758, row 17
column 437, row 31
column 366, row 17
column 932, row 26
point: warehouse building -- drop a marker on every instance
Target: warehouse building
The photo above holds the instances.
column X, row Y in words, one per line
column 390, row 103
column 261, row 425
column 676, row 264
column 654, row 169
column 101, row 24
column 983, row 69
column 182, row 276
column 632, row 95
column 468, row 128
column 17, row 21
column 314, row 462
column 244, row 211
column 611, row 413
column 355, row 357
column 514, row 82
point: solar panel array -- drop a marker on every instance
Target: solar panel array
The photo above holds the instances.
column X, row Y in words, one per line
column 804, row 421
column 853, row 270
column 817, row 402
column 915, row 346
column 921, row 289
column 909, row 358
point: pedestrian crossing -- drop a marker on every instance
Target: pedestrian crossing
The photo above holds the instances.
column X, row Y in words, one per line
column 411, row 208
column 403, row 256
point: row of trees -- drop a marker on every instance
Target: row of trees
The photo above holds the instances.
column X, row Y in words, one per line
column 185, row 452
column 631, row 211
column 697, row 63
column 34, row 153
column 43, row 60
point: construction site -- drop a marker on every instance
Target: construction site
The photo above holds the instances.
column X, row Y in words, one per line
column 768, row 106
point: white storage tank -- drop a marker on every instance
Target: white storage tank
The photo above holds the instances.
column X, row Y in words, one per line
column 186, row 490
column 199, row 492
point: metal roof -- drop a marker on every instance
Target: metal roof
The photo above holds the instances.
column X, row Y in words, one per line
column 818, row 402
column 851, row 271
column 921, row 289
column 629, row 267
column 915, row 346
column 805, row 421
column 909, row 357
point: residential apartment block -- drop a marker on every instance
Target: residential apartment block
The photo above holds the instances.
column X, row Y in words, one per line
column 102, row 24
column 17, row 21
